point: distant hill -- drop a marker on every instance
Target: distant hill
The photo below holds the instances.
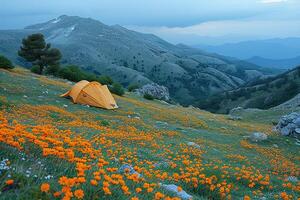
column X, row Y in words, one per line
column 131, row 57
column 263, row 93
column 270, row 49
column 276, row 63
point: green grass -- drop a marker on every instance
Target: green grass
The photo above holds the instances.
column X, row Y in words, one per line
column 218, row 137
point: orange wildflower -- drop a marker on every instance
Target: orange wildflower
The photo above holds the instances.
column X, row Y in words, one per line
column 159, row 195
column 94, row 182
column 246, row 197
column 179, row 189
column 45, row 187
column 79, row 194
column 56, row 194
column 9, row 182
column 150, row 190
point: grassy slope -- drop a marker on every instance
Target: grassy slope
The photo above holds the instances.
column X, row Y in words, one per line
column 83, row 140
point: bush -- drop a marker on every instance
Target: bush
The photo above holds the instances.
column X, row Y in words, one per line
column 133, row 87
column 5, row 63
column 117, row 89
column 148, row 96
column 53, row 70
column 35, row 69
column 104, row 123
column 105, row 80
column 72, row 73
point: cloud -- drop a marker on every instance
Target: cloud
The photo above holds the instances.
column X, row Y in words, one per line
column 272, row 1
column 242, row 29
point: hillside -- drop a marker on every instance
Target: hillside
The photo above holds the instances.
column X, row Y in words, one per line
column 263, row 93
column 288, row 63
column 271, row 48
column 131, row 57
column 79, row 150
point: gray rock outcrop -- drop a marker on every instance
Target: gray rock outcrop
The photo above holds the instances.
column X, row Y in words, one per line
column 289, row 125
column 155, row 90
column 258, row 137
column 174, row 188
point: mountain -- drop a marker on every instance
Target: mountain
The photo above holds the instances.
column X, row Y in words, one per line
column 131, row 57
column 271, row 48
column 275, row 63
column 264, row 93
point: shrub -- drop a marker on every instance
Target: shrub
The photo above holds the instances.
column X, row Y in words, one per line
column 104, row 123
column 105, row 80
column 117, row 89
column 72, row 73
column 148, row 96
column 5, row 63
column 133, row 87
column 35, row 69
column 53, row 70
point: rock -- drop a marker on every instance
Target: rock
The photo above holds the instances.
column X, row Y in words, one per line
column 234, row 118
column 235, row 110
column 297, row 130
column 129, row 169
column 193, row 144
column 285, row 131
column 160, row 123
column 289, row 125
column 258, row 136
column 297, row 122
column 174, row 188
column 135, row 115
column 155, row 90
column 293, row 179
column 161, row 164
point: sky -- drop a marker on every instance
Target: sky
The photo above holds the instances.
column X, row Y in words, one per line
column 178, row 21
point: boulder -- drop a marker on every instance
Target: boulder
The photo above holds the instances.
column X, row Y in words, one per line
column 236, row 110
column 258, row 137
column 155, row 90
column 292, row 179
column 174, row 188
column 193, row 144
column 162, row 164
column 289, row 125
column 234, row 118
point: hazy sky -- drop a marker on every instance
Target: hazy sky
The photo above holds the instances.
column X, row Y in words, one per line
column 187, row 21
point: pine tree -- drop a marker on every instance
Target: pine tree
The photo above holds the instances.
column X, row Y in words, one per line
column 34, row 49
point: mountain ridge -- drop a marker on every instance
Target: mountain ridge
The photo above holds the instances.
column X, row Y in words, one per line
column 132, row 57
column 276, row 48
column 283, row 64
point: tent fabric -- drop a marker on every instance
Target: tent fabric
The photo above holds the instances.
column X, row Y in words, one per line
column 91, row 93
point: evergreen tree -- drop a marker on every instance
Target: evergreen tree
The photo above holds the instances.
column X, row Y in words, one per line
column 5, row 63
column 34, row 49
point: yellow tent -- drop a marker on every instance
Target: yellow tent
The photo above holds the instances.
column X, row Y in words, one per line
column 93, row 94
